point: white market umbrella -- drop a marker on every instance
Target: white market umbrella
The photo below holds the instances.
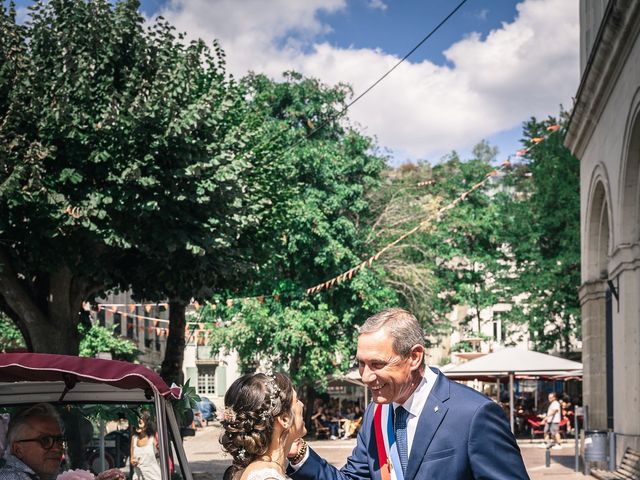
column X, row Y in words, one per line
column 510, row 362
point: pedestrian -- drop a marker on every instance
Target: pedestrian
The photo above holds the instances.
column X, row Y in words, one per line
column 144, row 449
column 552, row 423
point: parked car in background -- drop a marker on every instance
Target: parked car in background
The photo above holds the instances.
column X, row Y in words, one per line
column 207, row 410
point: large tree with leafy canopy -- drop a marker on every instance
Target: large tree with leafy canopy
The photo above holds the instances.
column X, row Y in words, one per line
column 543, row 229
column 318, row 180
column 121, row 165
column 456, row 258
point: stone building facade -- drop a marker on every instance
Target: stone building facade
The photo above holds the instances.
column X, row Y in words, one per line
column 146, row 326
column 604, row 133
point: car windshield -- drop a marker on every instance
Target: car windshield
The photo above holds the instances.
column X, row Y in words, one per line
column 101, row 436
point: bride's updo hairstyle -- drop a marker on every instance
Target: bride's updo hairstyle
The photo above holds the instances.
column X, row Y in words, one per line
column 252, row 404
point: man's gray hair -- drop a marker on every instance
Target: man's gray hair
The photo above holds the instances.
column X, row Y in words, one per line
column 20, row 420
column 401, row 325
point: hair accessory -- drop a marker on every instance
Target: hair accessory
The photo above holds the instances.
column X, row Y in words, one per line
column 229, row 415
column 274, row 393
column 241, row 454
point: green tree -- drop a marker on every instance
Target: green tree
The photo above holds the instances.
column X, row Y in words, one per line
column 10, row 336
column 457, row 258
column 544, row 230
column 402, row 201
column 99, row 339
column 96, row 339
column 318, row 182
column 121, row 165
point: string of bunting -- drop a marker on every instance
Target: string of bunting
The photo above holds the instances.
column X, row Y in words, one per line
column 160, row 331
column 348, row 275
column 435, row 216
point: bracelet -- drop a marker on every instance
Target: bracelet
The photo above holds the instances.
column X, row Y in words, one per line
column 301, row 452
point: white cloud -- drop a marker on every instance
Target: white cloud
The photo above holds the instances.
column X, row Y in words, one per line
column 378, row 5
column 526, row 67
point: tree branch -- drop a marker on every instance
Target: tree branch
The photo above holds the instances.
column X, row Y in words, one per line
column 16, row 296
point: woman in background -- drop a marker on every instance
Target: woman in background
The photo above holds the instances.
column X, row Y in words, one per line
column 144, row 449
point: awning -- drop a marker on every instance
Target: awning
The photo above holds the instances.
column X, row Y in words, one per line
column 513, row 360
column 45, row 367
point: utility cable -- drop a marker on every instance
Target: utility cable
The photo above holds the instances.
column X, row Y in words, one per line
column 374, row 84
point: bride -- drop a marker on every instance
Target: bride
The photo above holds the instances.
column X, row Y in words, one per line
column 262, row 420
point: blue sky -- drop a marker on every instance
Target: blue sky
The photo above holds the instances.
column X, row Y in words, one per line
column 492, row 66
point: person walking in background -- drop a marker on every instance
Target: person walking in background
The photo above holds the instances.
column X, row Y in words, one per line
column 420, row 425
column 552, row 423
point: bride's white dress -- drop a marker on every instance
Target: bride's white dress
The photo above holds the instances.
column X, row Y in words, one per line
column 266, row 474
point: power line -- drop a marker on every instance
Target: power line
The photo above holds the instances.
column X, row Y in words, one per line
column 374, row 84
column 429, row 35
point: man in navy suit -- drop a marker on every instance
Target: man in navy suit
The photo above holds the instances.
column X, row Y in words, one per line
column 448, row 431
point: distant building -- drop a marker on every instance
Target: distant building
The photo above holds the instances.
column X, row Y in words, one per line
column 146, row 324
column 604, row 133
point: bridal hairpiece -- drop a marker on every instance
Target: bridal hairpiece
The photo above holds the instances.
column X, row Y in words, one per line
column 274, row 394
column 229, row 414
column 242, row 454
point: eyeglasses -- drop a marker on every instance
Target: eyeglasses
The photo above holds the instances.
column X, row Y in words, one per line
column 46, row 441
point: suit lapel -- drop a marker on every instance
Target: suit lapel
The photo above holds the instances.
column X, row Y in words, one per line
column 431, row 417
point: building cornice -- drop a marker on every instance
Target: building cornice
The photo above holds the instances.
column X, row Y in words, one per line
column 619, row 28
column 592, row 290
column 625, row 257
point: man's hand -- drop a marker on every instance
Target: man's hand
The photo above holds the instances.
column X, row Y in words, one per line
column 293, row 451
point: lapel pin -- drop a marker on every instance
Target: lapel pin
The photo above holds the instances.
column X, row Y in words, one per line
column 435, row 409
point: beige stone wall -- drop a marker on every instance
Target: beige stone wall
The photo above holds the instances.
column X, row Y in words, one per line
column 610, row 233
column 626, row 354
column 594, row 385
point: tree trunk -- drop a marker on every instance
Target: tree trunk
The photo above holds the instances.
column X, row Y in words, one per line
column 171, row 370
column 46, row 312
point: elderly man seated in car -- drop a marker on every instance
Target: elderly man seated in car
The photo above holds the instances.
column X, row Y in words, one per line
column 35, row 446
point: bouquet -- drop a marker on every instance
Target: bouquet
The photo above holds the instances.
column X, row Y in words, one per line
column 111, row 474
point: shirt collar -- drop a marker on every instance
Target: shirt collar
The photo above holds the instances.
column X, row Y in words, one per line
column 18, row 464
column 415, row 403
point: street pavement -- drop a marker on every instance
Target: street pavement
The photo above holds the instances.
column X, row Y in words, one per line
column 208, row 461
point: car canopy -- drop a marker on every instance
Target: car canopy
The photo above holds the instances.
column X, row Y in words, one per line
column 71, row 370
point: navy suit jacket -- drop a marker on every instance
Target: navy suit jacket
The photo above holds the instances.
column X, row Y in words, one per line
column 461, row 434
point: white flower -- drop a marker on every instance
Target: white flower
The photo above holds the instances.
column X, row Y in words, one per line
column 75, row 475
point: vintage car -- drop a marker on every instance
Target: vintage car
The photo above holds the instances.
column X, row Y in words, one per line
column 99, row 402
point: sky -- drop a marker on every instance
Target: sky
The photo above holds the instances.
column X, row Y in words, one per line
column 493, row 65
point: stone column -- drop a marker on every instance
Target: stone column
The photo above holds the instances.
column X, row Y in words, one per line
column 594, row 384
column 626, row 350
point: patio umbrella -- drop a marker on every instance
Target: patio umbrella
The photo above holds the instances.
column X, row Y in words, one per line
column 510, row 362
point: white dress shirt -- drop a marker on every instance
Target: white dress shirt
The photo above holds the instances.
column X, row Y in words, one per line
column 415, row 403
